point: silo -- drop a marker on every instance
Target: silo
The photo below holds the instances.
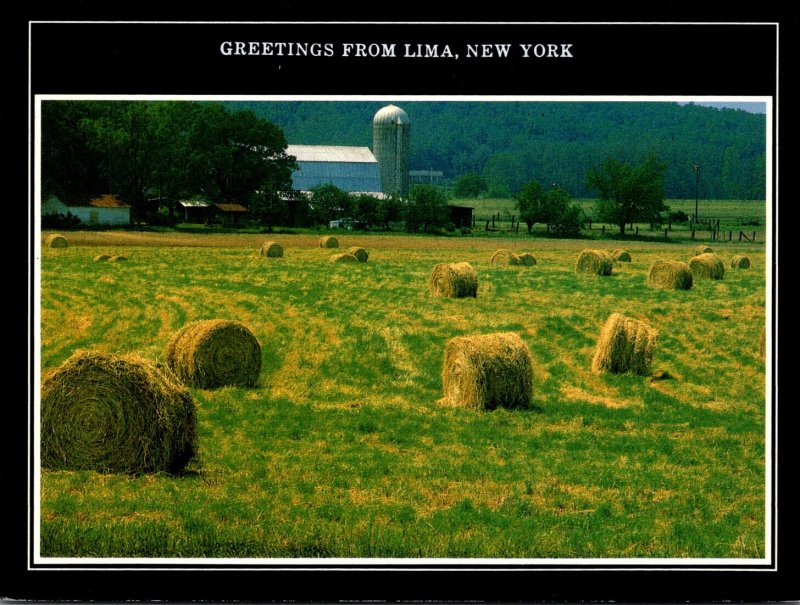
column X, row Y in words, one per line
column 390, row 145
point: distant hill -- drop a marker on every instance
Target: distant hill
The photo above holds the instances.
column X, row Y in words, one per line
column 555, row 142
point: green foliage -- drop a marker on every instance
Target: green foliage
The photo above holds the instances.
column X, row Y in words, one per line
column 553, row 208
column 469, row 185
column 507, row 142
column 175, row 149
column 427, row 208
column 329, row 203
column 628, row 193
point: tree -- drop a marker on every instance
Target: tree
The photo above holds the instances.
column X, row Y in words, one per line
column 390, row 210
column 530, row 202
column 469, row 185
column 562, row 216
column 366, row 209
column 628, row 193
column 330, row 203
column 426, row 209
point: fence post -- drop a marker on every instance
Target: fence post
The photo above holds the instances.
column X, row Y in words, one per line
column 487, row 225
column 730, row 235
column 517, row 228
column 740, row 236
column 590, row 224
column 637, row 230
column 754, row 236
column 493, row 221
column 603, row 230
column 665, row 233
column 692, row 233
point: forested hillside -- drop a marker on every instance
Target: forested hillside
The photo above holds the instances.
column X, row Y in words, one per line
column 512, row 142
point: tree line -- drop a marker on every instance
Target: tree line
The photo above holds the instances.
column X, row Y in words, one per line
column 506, row 142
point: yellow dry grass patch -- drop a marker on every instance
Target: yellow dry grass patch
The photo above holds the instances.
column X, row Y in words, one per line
column 574, row 393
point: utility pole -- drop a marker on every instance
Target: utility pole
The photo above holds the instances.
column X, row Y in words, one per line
column 696, row 189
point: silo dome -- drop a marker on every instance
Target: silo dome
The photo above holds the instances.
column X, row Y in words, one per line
column 390, row 145
column 391, row 114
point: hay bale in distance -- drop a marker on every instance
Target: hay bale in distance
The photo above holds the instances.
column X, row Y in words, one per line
column 343, row 257
column 101, row 258
column 213, row 353
column 526, row 259
column 707, row 265
column 625, row 345
column 272, row 250
column 56, row 240
column 595, row 262
column 328, row 241
column 670, row 275
column 505, row 257
column 117, row 259
column 702, row 249
column 114, row 413
column 621, row 256
column 454, row 280
column 360, row 254
column 740, row 261
column 487, row 371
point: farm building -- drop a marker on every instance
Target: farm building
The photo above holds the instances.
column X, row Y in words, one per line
column 461, row 216
column 228, row 214
column 195, row 211
column 102, row 210
column 352, row 169
column 425, row 177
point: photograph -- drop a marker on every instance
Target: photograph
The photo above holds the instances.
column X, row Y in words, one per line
column 402, row 310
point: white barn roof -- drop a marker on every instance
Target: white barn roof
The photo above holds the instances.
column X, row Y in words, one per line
column 331, row 153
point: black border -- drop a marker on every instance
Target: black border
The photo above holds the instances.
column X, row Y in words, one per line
column 137, row 70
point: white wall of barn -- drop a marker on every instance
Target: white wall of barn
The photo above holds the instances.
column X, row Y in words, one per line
column 102, row 216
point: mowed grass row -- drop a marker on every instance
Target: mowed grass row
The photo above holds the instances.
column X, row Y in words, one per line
column 343, row 450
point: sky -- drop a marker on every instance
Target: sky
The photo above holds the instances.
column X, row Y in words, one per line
column 752, row 107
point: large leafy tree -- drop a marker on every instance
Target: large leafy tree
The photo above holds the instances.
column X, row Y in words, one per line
column 531, row 202
column 426, row 209
column 328, row 203
column 469, row 185
column 628, row 193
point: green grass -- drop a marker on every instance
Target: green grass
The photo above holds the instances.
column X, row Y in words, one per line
column 343, row 450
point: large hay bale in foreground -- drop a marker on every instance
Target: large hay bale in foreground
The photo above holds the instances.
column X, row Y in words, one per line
column 707, row 265
column 360, row 254
column 595, row 262
column 505, row 257
column 56, row 240
column 670, row 275
column 272, row 250
column 213, row 353
column 487, row 371
column 101, row 258
column 343, row 257
column 702, row 249
column 621, row 256
column 527, row 259
column 740, row 262
column 454, row 280
column 328, row 241
column 114, row 413
column 625, row 345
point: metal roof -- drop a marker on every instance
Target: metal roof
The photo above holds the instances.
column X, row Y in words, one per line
column 391, row 114
column 231, row 207
column 331, row 153
column 193, row 204
column 105, row 201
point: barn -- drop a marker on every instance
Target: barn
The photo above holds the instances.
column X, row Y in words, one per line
column 352, row 169
column 103, row 210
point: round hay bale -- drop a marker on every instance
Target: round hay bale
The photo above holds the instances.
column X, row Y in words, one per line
column 625, row 345
column 621, row 256
column 505, row 257
column 117, row 259
column 487, row 371
column 526, row 259
column 360, row 254
column 101, row 258
column 328, row 241
column 454, row 280
column 213, row 353
column 702, row 249
column 740, row 262
column 595, row 262
column 670, row 275
column 272, row 250
column 343, row 257
column 707, row 265
column 56, row 240
column 114, row 413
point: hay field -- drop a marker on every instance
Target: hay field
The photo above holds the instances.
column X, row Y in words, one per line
column 343, row 448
